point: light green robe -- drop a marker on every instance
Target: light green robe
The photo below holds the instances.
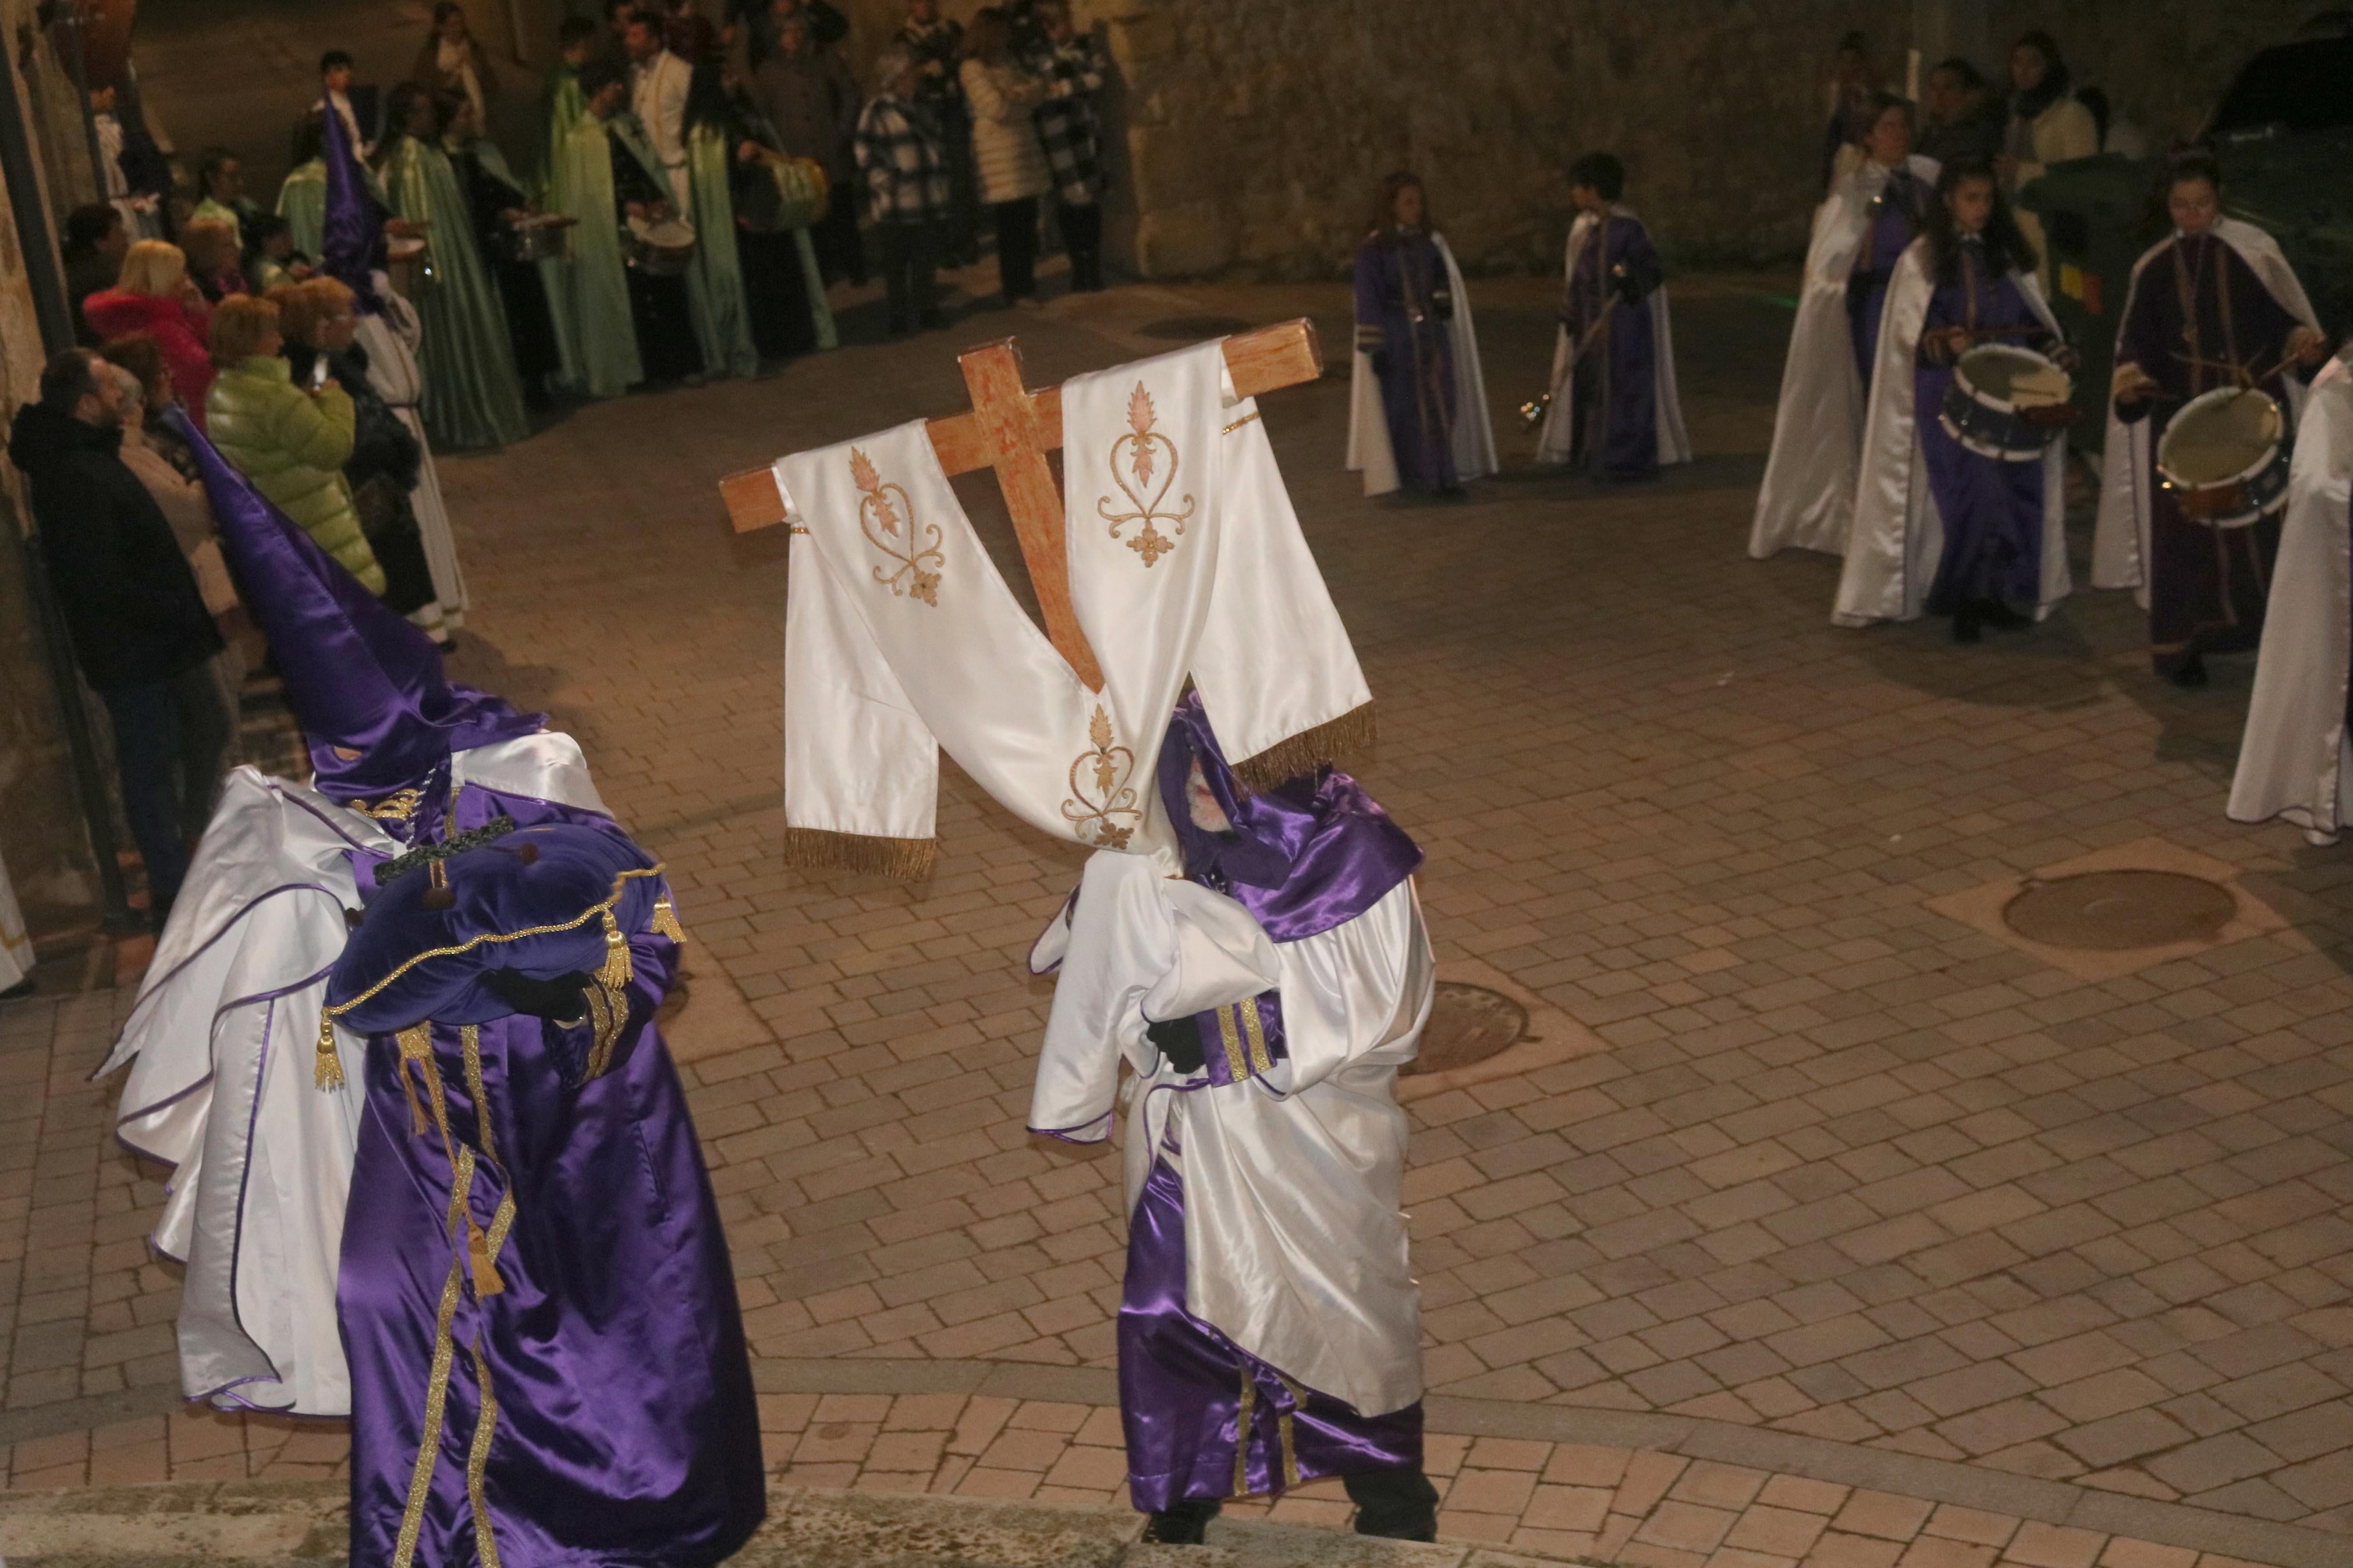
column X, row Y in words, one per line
column 596, row 280
column 714, row 283
column 550, row 273
column 473, row 398
column 567, row 106
column 302, row 203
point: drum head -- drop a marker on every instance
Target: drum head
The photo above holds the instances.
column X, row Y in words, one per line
column 404, row 247
column 2219, row 437
column 2014, row 377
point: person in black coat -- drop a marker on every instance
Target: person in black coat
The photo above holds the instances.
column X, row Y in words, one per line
column 130, row 605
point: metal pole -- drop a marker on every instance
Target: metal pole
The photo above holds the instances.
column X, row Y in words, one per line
column 46, row 281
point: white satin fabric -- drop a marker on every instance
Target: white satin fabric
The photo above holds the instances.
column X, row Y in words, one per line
column 1807, row 499
column 1898, row 536
column 1295, row 1232
column 1559, row 436
column 878, row 677
column 2120, row 538
column 1474, row 430
column 221, row 1042
column 2293, row 761
column 15, row 943
column 391, row 340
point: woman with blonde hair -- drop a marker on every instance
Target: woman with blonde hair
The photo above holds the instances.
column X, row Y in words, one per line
column 154, row 295
column 1005, row 148
column 292, row 442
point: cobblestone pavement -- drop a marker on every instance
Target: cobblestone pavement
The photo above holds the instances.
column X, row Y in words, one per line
column 1833, row 1183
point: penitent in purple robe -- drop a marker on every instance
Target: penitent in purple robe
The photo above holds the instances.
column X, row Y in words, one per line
column 1614, row 387
column 1403, row 303
column 1895, row 217
column 2201, row 319
column 1992, row 510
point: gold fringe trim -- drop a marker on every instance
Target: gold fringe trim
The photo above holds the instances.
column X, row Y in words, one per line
column 823, row 850
column 326, row 1066
column 1352, row 734
column 665, row 921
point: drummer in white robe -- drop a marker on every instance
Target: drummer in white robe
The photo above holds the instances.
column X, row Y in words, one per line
column 1945, row 520
column 1807, row 499
column 2295, row 761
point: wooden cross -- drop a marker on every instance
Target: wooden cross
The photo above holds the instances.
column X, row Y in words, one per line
column 1010, row 430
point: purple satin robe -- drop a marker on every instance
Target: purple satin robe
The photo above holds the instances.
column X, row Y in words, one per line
column 1400, row 275
column 2207, row 586
column 1614, row 386
column 1992, row 510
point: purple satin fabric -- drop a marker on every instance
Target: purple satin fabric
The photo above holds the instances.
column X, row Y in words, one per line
column 352, row 240
column 1616, row 391
column 358, row 676
column 626, row 1429
column 1307, row 857
column 1180, row 1388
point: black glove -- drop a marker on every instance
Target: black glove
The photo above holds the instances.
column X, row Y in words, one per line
column 1441, row 304
column 558, row 1000
column 1380, row 365
column 1178, row 1041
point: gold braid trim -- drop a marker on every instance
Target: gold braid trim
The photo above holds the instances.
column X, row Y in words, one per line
column 1236, row 1067
column 1254, row 1028
column 437, row 1396
column 1283, row 1431
column 477, row 1461
column 1352, row 734
column 594, row 912
column 1241, row 1436
column 823, row 850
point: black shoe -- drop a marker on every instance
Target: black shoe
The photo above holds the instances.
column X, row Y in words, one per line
column 1396, row 1505
column 1965, row 625
column 22, row 989
column 897, row 327
column 934, row 322
column 2190, row 674
column 1994, row 613
column 1187, row 1524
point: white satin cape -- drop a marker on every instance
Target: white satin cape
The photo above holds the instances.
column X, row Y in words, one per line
column 1474, row 431
column 1898, row 536
column 221, row 1041
column 883, row 668
column 1558, row 439
column 2120, row 539
column 1295, row 1232
column 1807, row 499
column 15, row 943
column 391, row 340
column 2293, row 761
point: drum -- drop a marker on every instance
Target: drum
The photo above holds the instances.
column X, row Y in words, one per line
column 2225, row 457
column 793, row 196
column 661, row 249
column 403, row 263
column 539, row 236
column 2007, row 403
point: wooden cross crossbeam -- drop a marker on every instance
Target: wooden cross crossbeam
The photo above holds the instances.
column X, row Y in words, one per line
column 1010, row 430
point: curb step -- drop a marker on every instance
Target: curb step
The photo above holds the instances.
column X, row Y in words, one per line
column 212, row 1523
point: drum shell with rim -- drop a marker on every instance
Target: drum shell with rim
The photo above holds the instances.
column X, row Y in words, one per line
column 1985, row 421
column 2254, row 488
column 663, row 249
column 538, row 238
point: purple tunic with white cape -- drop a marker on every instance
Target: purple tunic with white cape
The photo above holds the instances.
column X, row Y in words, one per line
column 1992, row 510
column 1404, row 298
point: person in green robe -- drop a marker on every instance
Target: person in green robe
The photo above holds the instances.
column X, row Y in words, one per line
column 561, row 101
column 473, row 396
column 545, row 356
column 302, row 195
column 596, row 276
column 723, row 315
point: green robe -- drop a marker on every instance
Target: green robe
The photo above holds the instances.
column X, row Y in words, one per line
column 473, row 398
column 597, row 279
column 714, row 283
column 563, row 106
column 302, row 203
column 551, row 272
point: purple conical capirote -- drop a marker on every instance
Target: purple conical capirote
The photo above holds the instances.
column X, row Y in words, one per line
column 366, row 687
column 353, row 239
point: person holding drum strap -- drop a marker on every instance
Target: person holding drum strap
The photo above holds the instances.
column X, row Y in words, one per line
column 1985, row 544
column 2201, row 318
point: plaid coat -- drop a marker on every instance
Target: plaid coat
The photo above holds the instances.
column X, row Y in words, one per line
column 1066, row 121
column 900, row 163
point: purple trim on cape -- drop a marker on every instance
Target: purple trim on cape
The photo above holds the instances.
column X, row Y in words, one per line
column 1303, row 857
column 157, row 986
column 352, row 242
column 1180, row 1388
column 358, row 676
column 245, row 1182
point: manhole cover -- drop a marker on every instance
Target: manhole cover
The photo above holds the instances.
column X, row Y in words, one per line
column 2115, row 911
column 1189, row 329
column 1467, row 1024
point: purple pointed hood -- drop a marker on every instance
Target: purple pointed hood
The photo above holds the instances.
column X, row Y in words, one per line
column 360, row 679
column 353, row 241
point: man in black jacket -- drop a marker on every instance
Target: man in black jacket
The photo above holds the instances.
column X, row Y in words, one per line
column 138, row 624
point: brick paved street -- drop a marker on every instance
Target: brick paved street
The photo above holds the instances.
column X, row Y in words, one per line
column 1822, row 1186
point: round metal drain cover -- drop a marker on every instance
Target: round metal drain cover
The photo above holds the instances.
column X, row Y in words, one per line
column 1189, row 329
column 2115, row 911
column 1467, row 1024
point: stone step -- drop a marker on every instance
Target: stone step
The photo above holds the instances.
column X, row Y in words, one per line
column 212, row 1523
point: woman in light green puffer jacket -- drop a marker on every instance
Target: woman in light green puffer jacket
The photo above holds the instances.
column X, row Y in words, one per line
column 291, row 444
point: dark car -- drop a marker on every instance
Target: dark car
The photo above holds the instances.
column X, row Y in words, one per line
column 2284, row 132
